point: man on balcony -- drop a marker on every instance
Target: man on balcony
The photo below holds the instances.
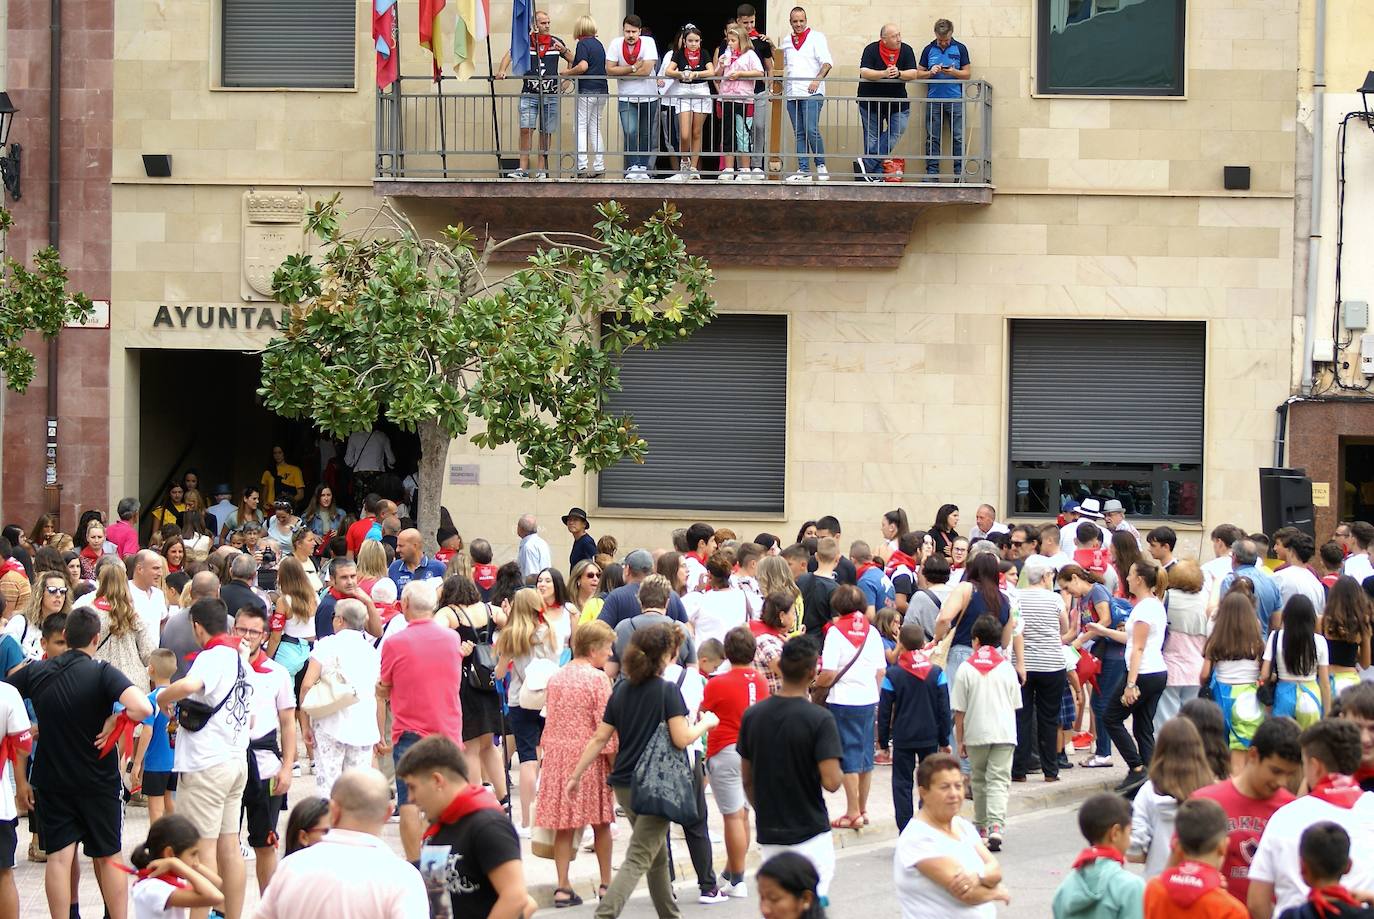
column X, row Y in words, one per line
column 946, row 62
column 884, row 69
column 538, row 94
column 634, row 58
column 806, row 61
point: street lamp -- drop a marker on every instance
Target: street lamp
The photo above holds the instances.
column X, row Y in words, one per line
column 1365, row 91
column 9, row 160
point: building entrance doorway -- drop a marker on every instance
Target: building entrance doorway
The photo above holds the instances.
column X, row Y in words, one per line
column 1357, row 478
column 664, row 20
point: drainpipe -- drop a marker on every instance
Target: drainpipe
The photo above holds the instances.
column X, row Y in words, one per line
column 50, row 485
column 1314, row 230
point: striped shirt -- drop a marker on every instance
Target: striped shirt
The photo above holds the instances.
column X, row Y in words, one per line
column 1040, row 612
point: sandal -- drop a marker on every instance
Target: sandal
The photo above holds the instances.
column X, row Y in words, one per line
column 601, row 891
column 846, row 823
column 572, row 899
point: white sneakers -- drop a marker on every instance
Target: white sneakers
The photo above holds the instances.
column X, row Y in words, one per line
column 728, row 175
column 799, row 177
column 1097, row 762
column 822, row 174
column 637, row 174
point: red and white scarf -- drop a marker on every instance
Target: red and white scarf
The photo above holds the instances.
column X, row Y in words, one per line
column 471, row 799
column 889, row 57
column 1090, row 855
column 143, row 874
column 12, row 565
column 693, row 63
column 632, row 51
column 1324, row 900
column 1340, row 790
column 899, row 559
column 799, row 39
column 855, row 627
column 862, row 567
column 916, row 663
column 1190, row 881
column 985, row 659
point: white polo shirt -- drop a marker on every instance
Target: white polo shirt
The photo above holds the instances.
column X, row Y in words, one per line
column 801, row 65
column 1276, row 860
column 151, row 606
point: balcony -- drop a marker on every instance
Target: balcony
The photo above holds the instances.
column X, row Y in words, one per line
column 453, row 150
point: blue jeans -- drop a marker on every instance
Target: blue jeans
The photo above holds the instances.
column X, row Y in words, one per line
column 937, row 113
column 904, row 763
column 403, row 743
column 879, row 141
column 806, row 125
column 1113, row 672
column 638, row 121
column 958, row 655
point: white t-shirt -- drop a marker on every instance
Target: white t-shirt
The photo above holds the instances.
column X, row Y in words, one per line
column 630, row 88
column 151, row 606
column 149, row 900
column 802, row 65
column 303, row 629
column 860, row 685
column 919, row 896
column 1151, row 612
column 1214, row 572
column 225, row 735
column 1298, row 580
column 14, row 718
column 361, row 664
column 273, row 691
column 1358, row 566
column 712, row 613
column 1236, row 673
column 26, row 635
column 692, row 690
column 1276, row 861
column 1274, row 648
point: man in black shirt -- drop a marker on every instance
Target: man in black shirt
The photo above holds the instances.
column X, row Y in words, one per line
column 887, row 65
column 76, row 783
column 470, row 850
column 845, row 572
column 239, row 592
column 747, row 17
column 538, row 94
column 789, row 750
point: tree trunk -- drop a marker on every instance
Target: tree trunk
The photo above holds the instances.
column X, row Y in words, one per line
column 433, row 455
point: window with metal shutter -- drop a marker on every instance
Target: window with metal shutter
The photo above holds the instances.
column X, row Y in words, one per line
column 1104, row 391
column 714, row 411
column 307, row 44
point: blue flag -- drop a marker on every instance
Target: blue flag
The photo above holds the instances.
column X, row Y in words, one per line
column 521, row 25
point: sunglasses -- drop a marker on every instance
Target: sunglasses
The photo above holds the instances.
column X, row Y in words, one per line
column 593, row 575
column 56, row 591
column 1017, row 545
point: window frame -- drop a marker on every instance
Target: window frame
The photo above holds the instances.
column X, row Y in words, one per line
column 219, row 83
column 1042, row 86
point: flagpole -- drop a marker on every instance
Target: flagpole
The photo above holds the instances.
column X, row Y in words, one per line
column 491, row 84
column 443, row 133
column 397, row 94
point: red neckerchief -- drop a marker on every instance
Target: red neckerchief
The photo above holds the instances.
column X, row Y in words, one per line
column 759, row 627
column 1337, row 789
column 799, row 40
column 985, row 659
column 1190, row 881
column 484, row 576
column 889, row 57
column 1331, row 579
column 693, row 58
column 862, row 567
column 227, row 641
column 1324, row 900
column 854, row 627
column 123, row 731
column 12, row 745
column 142, row 874
column 916, row 663
column 1090, row 855
column 632, row 51
column 470, row 800
column 700, row 558
column 897, row 559
column 543, row 42
column 173, row 569
column 334, row 592
column 443, row 555
column 12, row 565
column 259, row 662
column 101, row 604
column 753, row 33
column 86, row 552
column 387, row 611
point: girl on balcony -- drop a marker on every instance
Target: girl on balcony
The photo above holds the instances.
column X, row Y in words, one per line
column 740, row 66
column 691, row 66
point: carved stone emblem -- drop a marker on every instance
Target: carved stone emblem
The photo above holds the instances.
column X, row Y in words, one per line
column 271, row 231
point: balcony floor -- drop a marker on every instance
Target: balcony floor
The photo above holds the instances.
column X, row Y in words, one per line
column 830, row 224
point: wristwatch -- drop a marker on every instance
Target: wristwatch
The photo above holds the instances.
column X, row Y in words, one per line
column 1130, row 686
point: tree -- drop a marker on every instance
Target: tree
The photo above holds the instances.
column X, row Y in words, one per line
column 420, row 331
column 33, row 301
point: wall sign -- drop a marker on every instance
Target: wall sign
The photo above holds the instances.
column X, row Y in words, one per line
column 464, row 474
column 217, row 317
column 1321, row 494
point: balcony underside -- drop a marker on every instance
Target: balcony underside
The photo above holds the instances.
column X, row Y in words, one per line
column 832, row 225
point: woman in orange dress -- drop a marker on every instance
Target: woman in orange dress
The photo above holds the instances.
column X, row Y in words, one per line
column 576, row 700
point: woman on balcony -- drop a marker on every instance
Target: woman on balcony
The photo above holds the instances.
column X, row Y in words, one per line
column 691, row 66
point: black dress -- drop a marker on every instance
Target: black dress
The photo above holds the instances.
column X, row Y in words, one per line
column 481, row 708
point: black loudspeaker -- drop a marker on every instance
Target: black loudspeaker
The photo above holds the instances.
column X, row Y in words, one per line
column 1235, row 178
column 1286, row 500
column 157, row 165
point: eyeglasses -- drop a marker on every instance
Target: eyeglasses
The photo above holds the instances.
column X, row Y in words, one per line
column 248, row 633
column 1017, row 545
column 56, row 591
column 593, row 575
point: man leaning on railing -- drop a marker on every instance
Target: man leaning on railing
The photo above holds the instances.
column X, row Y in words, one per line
column 538, row 94
column 634, row 58
column 947, row 62
column 884, row 70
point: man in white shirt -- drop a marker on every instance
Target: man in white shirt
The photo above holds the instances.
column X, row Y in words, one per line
column 1089, row 510
column 350, row 873
column 985, row 523
column 1331, row 751
column 1296, row 549
column 634, row 59
column 224, row 506
column 1114, row 515
column 1358, row 565
column 212, row 763
column 271, row 744
column 534, row 555
column 806, row 61
column 146, row 588
column 1214, row 571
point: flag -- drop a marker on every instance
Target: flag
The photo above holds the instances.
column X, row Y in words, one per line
column 471, row 27
column 521, row 25
column 384, row 36
column 431, row 36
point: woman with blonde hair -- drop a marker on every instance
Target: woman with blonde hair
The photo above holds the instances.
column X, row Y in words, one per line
column 123, row 641
column 584, row 586
column 371, row 563
column 1185, row 603
column 51, row 595
column 526, row 642
column 775, row 575
column 293, row 620
column 589, row 63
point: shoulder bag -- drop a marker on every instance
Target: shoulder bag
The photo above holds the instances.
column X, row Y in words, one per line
column 1265, row 692
column 941, row 652
column 819, row 694
column 481, row 670
column 332, row 693
column 661, row 785
column 193, row 715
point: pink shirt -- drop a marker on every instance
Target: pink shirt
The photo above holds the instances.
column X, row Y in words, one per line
column 346, row 875
column 423, row 665
column 124, row 537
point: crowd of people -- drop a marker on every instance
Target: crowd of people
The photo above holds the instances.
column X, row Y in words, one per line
column 494, row 709
column 694, row 97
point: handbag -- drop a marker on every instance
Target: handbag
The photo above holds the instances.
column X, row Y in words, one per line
column 941, row 652
column 534, row 684
column 193, row 715
column 331, row 693
column 1265, row 692
column 661, row 785
column 481, row 670
column 819, row 694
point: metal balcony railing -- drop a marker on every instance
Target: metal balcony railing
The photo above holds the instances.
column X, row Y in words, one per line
column 473, row 130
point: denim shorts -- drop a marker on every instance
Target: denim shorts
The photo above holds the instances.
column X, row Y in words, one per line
column 530, row 110
column 403, row 743
column 528, row 728
column 855, row 724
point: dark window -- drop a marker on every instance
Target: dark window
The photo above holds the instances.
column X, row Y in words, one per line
column 713, row 408
column 1111, row 47
column 1112, row 409
column 274, row 44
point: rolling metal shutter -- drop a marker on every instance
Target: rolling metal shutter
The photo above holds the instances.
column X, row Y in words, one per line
column 1104, row 391
column 310, row 44
column 714, row 411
